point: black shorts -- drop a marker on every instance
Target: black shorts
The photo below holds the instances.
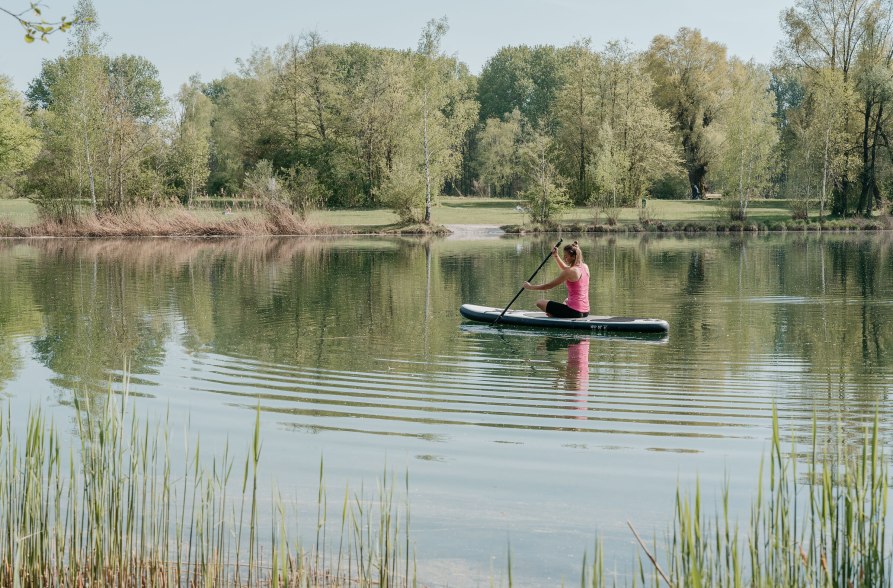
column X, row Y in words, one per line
column 559, row 310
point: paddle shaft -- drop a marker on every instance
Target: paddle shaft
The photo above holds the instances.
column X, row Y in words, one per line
column 533, row 275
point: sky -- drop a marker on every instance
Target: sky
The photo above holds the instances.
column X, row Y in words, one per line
column 183, row 38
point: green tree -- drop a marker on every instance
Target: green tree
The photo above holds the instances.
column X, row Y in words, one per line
column 401, row 190
column 817, row 140
column 689, row 74
column 577, row 117
column 523, row 78
column 498, row 153
column 19, row 143
column 441, row 112
column 77, row 119
column 874, row 82
column 100, row 125
column 828, row 34
column 191, row 147
column 543, row 190
column 379, row 94
column 305, row 105
column 609, row 167
column 635, row 145
column 747, row 135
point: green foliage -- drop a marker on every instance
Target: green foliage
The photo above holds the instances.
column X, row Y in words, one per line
column 498, row 155
column 403, row 191
column 298, row 188
column 19, row 143
column 36, row 26
column 191, row 148
column 521, row 78
column 671, row 187
column 848, row 99
column 689, row 74
column 613, row 141
column 441, row 112
column 543, row 190
column 304, row 191
column 99, row 121
column 262, row 183
column 747, row 136
column 351, row 123
column 578, row 114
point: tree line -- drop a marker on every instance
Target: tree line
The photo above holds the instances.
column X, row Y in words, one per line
column 311, row 123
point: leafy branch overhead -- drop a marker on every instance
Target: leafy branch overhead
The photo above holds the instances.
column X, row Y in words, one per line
column 36, row 26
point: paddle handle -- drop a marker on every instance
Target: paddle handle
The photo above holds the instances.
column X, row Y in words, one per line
column 533, row 275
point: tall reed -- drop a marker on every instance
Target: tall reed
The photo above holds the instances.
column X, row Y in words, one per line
column 828, row 531
column 113, row 512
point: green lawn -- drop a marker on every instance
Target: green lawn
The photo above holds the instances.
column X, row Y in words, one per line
column 485, row 211
column 19, row 212
column 759, row 211
column 493, row 211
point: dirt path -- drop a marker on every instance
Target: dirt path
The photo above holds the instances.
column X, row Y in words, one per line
column 474, row 231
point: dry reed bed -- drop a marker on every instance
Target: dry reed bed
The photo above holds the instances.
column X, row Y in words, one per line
column 169, row 222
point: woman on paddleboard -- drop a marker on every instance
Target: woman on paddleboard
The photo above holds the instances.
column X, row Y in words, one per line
column 575, row 274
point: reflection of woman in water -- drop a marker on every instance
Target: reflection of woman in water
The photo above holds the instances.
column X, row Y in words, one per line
column 577, row 375
column 575, row 274
column 576, row 370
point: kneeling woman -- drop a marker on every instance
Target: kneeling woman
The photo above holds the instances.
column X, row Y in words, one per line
column 575, row 274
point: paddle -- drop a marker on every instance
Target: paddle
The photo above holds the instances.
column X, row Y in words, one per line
column 533, row 275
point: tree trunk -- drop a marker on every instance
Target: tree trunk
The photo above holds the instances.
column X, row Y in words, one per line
column 427, row 166
column 582, row 172
column 866, row 177
column 874, row 191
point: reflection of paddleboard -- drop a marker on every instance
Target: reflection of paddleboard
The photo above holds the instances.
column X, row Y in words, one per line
column 532, row 318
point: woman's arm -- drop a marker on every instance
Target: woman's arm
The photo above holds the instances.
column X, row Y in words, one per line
column 564, row 276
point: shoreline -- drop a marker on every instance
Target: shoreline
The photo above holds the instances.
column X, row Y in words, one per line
column 451, row 221
column 468, row 231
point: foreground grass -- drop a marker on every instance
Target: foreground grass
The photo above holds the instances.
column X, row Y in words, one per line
column 822, row 527
column 113, row 512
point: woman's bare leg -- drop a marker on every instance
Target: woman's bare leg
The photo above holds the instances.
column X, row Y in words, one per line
column 541, row 304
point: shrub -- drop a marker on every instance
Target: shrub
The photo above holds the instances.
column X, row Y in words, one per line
column 671, row 187
column 403, row 191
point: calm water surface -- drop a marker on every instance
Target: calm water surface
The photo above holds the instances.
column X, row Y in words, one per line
column 356, row 354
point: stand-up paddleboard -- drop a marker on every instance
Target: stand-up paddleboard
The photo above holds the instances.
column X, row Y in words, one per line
column 531, row 318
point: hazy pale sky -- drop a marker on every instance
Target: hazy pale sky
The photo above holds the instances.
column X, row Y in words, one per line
column 198, row 36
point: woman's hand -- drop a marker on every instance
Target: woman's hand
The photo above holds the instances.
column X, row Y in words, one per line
column 555, row 252
column 529, row 286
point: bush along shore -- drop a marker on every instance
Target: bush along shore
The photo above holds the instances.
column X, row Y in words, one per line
column 851, row 224
column 111, row 511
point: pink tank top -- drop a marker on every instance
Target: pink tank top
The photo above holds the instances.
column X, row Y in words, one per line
column 578, row 292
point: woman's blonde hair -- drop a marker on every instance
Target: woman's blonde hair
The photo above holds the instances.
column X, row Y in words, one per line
column 574, row 251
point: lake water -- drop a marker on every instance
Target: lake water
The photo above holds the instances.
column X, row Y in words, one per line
column 356, row 354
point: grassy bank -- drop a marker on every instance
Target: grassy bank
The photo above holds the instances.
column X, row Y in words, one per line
column 20, row 218
column 114, row 511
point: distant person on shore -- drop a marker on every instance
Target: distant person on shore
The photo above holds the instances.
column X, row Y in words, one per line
column 575, row 274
